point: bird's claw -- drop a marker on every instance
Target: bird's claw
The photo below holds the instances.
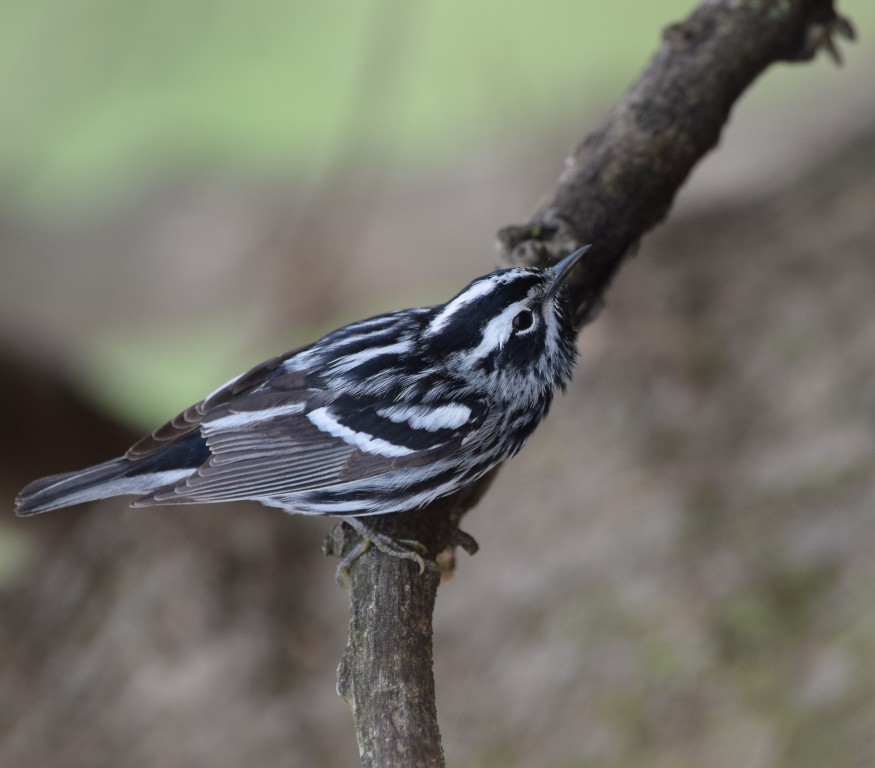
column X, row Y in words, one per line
column 403, row 549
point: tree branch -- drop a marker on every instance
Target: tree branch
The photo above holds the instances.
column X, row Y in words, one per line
column 618, row 184
column 621, row 181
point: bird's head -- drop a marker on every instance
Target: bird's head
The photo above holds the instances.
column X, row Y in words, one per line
column 511, row 330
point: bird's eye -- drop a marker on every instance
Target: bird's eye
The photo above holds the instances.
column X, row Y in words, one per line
column 523, row 320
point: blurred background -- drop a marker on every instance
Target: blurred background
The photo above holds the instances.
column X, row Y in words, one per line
column 677, row 571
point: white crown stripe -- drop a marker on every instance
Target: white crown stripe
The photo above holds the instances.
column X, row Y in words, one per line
column 496, row 333
column 482, row 288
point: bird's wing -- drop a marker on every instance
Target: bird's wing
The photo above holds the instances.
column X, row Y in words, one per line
column 191, row 418
column 289, row 437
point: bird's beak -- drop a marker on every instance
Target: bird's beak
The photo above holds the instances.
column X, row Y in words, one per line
column 561, row 269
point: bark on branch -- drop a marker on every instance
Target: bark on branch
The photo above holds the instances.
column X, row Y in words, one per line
column 618, row 184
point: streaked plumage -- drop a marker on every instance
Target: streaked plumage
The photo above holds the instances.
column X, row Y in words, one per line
column 383, row 415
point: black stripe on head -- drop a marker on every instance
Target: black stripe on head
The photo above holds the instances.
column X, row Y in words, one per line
column 459, row 323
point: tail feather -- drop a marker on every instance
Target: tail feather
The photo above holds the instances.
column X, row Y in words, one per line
column 112, row 478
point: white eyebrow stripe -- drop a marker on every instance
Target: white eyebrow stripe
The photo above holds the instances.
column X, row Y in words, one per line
column 498, row 330
column 496, row 333
column 471, row 294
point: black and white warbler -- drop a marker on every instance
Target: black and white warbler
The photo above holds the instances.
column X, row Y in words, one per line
column 383, row 415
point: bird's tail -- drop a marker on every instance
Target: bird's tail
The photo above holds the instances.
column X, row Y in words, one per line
column 112, row 478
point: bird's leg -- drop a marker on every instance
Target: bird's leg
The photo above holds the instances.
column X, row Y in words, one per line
column 405, row 549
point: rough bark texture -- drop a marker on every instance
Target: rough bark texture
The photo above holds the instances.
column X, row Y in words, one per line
column 386, row 672
column 619, row 183
column 393, row 719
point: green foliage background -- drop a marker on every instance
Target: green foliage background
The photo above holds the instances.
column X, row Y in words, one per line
column 95, row 92
column 105, row 97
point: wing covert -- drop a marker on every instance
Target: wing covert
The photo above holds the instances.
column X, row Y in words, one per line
column 273, row 444
column 191, row 418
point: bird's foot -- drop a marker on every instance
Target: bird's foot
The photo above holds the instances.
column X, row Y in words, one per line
column 404, row 549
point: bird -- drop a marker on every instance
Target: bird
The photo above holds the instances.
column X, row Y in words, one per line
column 381, row 416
